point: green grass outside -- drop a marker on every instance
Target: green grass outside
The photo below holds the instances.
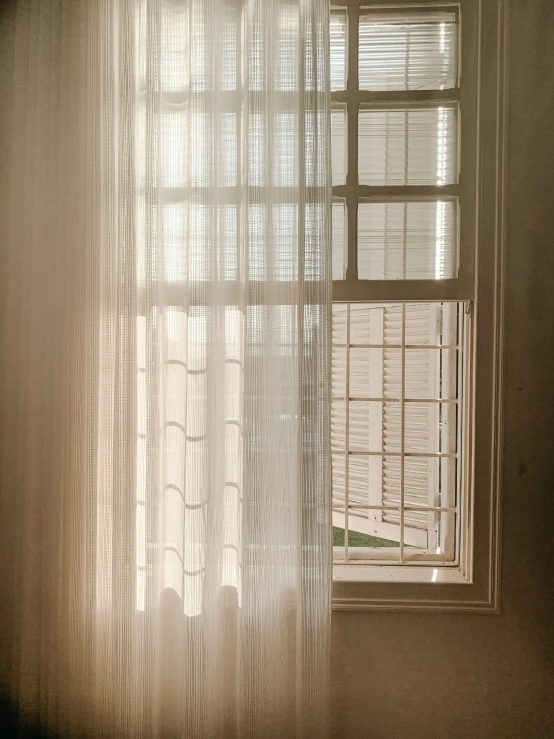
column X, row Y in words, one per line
column 356, row 539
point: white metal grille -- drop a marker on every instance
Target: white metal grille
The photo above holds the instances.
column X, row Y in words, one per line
column 397, row 413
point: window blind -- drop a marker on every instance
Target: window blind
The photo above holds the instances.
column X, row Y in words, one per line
column 337, row 33
column 416, row 50
column 400, row 145
column 407, row 240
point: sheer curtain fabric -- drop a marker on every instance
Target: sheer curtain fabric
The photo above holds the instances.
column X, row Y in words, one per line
column 165, row 497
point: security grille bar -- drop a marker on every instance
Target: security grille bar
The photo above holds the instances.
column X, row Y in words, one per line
column 396, row 459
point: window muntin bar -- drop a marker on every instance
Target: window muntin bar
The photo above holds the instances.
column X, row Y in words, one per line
column 456, row 281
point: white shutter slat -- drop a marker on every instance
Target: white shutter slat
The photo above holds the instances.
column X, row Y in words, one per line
column 420, row 321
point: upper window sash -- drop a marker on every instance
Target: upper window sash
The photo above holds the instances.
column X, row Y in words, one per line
column 462, row 93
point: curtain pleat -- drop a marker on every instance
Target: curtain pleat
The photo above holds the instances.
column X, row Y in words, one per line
column 165, row 368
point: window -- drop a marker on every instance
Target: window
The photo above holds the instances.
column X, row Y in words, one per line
column 411, row 486
column 417, row 173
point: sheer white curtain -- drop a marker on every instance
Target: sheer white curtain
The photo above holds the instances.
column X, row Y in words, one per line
column 165, row 500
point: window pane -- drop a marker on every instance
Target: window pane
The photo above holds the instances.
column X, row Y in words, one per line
column 337, row 32
column 339, row 241
column 414, row 240
column 416, row 50
column 338, row 145
column 365, row 423
column 360, row 522
column 174, row 59
column 285, row 153
column 424, row 370
column 408, row 146
column 427, row 428
column 173, row 157
column 284, row 265
column 367, row 379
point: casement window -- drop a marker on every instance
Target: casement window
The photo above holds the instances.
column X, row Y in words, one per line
column 417, row 197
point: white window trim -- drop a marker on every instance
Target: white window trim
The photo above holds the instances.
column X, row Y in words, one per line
column 474, row 586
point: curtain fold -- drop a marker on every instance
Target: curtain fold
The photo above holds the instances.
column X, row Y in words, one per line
column 165, row 478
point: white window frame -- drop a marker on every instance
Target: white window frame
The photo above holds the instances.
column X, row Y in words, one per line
column 473, row 585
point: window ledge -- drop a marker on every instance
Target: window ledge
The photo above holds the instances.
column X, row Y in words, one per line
column 394, row 573
column 397, row 588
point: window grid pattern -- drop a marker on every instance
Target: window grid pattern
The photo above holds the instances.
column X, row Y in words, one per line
column 233, row 218
column 397, row 410
column 402, row 131
column 397, row 429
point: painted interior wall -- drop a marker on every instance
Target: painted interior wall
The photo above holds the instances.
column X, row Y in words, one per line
column 444, row 676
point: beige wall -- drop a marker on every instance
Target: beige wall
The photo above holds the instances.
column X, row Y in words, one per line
column 443, row 676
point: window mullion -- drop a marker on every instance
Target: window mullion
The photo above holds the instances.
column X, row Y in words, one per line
column 352, row 133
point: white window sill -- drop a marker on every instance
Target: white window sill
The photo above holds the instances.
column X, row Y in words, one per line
column 393, row 573
column 442, row 589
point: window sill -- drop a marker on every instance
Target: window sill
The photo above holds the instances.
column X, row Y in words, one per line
column 387, row 573
column 394, row 588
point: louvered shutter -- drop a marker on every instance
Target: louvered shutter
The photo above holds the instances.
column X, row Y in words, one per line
column 420, row 420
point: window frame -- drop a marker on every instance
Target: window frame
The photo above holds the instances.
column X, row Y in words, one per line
column 474, row 585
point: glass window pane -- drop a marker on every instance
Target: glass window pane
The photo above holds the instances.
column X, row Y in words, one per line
column 367, row 431
column 285, row 152
column 338, row 145
column 408, row 145
column 430, row 428
column 415, row 50
column 174, row 154
column 414, row 240
column 428, row 373
column 339, row 241
column 174, row 59
column 337, row 31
